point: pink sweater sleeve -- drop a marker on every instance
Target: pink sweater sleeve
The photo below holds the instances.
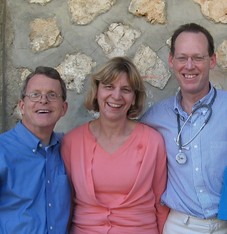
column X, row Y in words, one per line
column 159, row 185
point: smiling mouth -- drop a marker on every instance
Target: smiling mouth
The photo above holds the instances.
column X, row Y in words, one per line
column 114, row 105
column 189, row 76
column 43, row 111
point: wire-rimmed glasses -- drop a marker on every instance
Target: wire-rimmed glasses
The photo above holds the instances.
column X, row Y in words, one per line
column 37, row 96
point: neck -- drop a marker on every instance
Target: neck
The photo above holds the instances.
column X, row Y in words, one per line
column 188, row 100
column 110, row 129
column 44, row 134
column 44, row 138
column 187, row 104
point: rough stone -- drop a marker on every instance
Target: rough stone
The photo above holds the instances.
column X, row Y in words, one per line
column 151, row 67
column 24, row 73
column 41, row 2
column 222, row 55
column 153, row 10
column 84, row 11
column 214, row 9
column 74, row 70
column 117, row 40
column 44, row 34
column 15, row 17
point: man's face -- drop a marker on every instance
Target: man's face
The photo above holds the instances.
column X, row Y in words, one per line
column 191, row 63
column 42, row 115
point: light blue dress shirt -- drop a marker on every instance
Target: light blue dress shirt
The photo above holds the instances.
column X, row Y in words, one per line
column 193, row 188
column 34, row 188
column 222, row 212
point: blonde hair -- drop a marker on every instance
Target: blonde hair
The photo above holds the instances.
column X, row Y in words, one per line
column 108, row 73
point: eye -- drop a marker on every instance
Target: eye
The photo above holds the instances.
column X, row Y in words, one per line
column 108, row 86
column 182, row 59
column 52, row 95
column 127, row 90
column 35, row 95
column 198, row 58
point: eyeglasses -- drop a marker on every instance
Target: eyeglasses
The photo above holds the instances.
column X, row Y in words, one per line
column 36, row 96
column 197, row 59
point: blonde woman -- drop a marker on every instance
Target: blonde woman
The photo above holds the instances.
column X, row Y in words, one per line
column 117, row 165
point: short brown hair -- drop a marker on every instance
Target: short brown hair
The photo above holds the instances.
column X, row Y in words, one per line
column 50, row 73
column 194, row 28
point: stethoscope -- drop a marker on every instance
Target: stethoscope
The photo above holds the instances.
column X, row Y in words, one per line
column 181, row 157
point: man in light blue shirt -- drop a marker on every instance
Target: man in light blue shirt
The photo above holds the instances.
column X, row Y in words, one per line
column 195, row 132
column 34, row 188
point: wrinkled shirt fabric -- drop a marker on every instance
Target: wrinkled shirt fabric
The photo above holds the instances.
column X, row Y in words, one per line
column 193, row 188
column 34, row 188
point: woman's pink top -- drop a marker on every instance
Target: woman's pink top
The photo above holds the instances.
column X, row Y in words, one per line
column 117, row 193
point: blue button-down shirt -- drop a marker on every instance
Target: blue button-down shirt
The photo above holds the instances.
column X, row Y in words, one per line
column 194, row 187
column 34, row 188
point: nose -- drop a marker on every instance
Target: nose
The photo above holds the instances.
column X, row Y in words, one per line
column 116, row 93
column 189, row 64
column 43, row 98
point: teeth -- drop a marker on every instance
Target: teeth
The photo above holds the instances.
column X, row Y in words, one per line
column 189, row 76
column 43, row 111
column 114, row 105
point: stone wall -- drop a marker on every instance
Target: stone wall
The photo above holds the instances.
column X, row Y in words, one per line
column 76, row 36
column 1, row 61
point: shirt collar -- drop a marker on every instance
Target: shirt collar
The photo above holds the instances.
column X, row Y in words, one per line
column 205, row 100
column 32, row 141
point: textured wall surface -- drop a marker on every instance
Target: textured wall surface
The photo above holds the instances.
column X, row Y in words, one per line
column 1, row 62
column 76, row 36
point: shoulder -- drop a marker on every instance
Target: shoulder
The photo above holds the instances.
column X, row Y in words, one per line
column 149, row 132
column 76, row 132
column 158, row 111
column 162, row 105
column 221, row 93
column 8, row 137
column 220, row 101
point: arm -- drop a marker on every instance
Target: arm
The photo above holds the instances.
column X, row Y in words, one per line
column 159, row 185
column 65, row 153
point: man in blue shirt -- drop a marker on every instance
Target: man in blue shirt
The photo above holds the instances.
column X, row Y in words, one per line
column 222, row 212
column 195, row 132
column 34, row 188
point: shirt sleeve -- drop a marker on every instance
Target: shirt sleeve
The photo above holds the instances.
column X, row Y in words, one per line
column 222, row 211
column 159, row 185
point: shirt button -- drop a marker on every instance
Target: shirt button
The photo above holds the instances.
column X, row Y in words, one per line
column 40, row 145
column 197, row 169
column 200, row 190
column 49, row 204
column 48, row 181
column 51, row 228
column 195, row 146
column 33, row 150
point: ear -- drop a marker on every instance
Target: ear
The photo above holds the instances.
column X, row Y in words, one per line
column 21, row 106
column 213, row 61
column 170, row 60
column 64, row 108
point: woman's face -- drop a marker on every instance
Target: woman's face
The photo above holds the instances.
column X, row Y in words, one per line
column 116, row 98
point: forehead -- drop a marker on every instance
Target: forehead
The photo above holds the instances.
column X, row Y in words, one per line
column 190, row 42
column 121, row 79
column 43, row 82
